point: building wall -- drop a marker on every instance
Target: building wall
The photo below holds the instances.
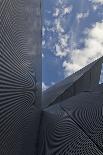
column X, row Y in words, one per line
column 20, row 76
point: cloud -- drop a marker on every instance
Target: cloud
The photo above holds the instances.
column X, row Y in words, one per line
column 93, row 49
column 61, row 44
column 44, row 86
column 58, row 25
column 43, row 43
column 67, row 10
column 95, row 7
column 52, row 83
column 43, row 55
column 65, row 46
column 57, row 39
column 82, row 16
column 98, row 1
column 96, row 4
column 56, row 13
column 43, row 31
column 63, row 11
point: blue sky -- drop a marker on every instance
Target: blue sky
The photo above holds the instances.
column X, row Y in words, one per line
column 72, row 37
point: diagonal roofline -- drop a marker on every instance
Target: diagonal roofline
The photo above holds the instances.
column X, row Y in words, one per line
column 84, row 75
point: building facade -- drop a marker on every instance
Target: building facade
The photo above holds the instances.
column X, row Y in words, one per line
column 72, row 119
column 20, row 76
column 68, row 119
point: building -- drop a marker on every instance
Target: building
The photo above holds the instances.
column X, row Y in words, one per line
column 72, row 118
column 20, row 76
column 69, row 118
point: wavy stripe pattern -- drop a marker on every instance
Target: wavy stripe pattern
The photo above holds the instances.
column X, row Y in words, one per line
column 74, row 126
column 20, row 39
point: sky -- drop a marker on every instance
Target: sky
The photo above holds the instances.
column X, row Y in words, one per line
column 72, row 37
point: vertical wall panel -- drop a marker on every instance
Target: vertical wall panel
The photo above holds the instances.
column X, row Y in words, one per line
column 20, row 76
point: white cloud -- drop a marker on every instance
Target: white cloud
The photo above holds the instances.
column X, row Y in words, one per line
column 93, row 49
column 67, row 10
column 95, row 7
column 57, row 39
column 62, row 45
column 59, row 51
column 64, row 10
column 43, row 30
column 96, row 4
column 56, row 13
column 58, row 25
column 52, row 83
column 98, row 1
column 44, row 86
column 82, row 16
column 43, row 43
column 66, row 44
column 43, row 55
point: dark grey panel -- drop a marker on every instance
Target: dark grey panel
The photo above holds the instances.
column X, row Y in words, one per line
column 62, row 136
column 98, row 88
column 74, row 126
column 20, row 76
column 86, row 110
